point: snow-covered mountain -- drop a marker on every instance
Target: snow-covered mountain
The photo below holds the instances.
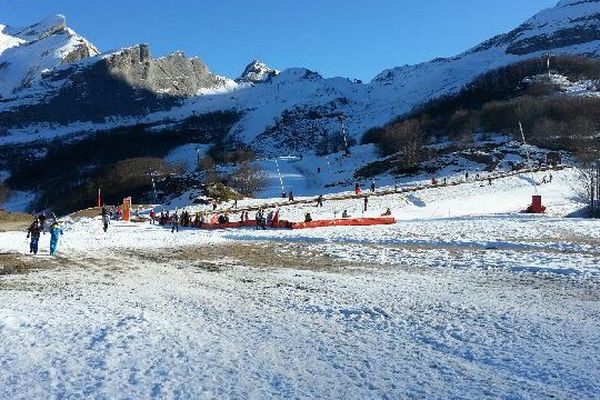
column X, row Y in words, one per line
column 54, row 82
column 257, row 72
column 27, row 53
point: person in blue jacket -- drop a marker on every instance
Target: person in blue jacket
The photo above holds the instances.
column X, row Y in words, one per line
column 55, row 232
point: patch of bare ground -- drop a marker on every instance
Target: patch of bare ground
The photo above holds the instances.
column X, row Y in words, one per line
column 13, row 263
column 87, row 213
column 10, row 221
column 263, row 255
column 93, row 212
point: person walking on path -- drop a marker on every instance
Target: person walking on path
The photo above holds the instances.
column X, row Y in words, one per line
column 55, row 233
column 34, row 231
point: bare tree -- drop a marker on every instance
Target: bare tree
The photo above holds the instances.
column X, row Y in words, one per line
column 587, row 186
column 247, row 179
column 405, row 137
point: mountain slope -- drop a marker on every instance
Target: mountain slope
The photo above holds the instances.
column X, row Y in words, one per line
column 295, row 110
column 31, row 51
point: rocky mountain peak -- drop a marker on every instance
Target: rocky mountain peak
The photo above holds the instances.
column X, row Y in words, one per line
column 41, row 30
column 257, row 72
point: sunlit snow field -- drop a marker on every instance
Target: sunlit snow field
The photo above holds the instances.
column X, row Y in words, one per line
column 464, row 297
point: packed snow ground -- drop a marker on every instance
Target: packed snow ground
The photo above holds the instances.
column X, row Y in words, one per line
column 463, row 298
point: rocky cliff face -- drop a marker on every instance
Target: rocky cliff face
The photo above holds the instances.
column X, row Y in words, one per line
column 173, row 75
column 570, row 23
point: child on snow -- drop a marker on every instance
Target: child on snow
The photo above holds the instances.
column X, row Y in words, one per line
column 55, row 233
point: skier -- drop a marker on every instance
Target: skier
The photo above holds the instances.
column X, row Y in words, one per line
column 175, row 222
column 489, row 181
column 366, row 202
column 373, row 186
column 357, row 188
column 320, row 201
column 345, row 214
column 34, row 231
column 55, row 232
column 550, row 179
column 105, row 218
column 291, row 196
column 467, row 176
column 152, row 217
column 387, row 212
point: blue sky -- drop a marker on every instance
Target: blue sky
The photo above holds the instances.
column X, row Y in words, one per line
column 351, row 38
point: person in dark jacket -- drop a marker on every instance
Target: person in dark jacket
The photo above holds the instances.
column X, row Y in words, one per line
column 105, row 218
column 33, row 232
column 320, row 201
column 308, row 217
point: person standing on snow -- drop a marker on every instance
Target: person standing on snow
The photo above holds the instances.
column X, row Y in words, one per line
column 105, row 218
column 34, row 231
column 175, row 222
column 366, row 202
column 55, row 232
column 320, row 201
